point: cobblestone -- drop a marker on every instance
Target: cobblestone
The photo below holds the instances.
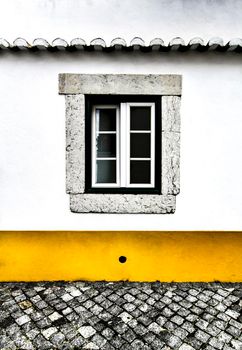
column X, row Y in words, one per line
column 122, row 315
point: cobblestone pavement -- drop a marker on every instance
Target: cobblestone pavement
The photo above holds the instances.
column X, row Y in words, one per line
column 120, row 315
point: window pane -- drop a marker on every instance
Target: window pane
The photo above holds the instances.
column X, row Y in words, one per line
column 106, row 171
column 106, row 145
column 139, row 171
column 106, row 119
column 139, row 118
column 139, row 145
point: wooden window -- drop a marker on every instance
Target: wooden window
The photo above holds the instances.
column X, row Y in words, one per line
column 123, row 145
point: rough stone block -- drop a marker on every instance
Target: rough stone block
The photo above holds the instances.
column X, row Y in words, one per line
column 170, row 173
column 171, row 113
column 75, row 143
column 122, row 203
column 120, row 84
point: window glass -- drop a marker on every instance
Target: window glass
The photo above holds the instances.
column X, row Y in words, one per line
column 106, row 171
column 139, row 118
column 139, row 145
column 106, row 119
column 106, row 145
column 139, row 171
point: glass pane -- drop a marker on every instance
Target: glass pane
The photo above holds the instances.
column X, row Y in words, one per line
column 139, row 145
column 106, row 145
column 106, row 171
column 106, row 119
column 139, row 118
column 139, row 171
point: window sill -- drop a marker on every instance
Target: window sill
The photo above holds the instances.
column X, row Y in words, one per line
column 122, row 203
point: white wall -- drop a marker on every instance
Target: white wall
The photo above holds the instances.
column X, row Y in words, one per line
column 126, row 18
column 32, row 127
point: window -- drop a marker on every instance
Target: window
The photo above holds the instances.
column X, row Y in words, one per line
column 106, row 146
column 122, row 132
column 123, row 145
column 123, row 142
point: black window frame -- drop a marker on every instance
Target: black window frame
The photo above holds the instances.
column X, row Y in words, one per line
column 90, row 101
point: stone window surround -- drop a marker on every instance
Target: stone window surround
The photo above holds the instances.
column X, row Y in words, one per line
column 75, row 87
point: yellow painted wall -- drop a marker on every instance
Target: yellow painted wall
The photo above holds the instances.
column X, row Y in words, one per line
column 151, row 256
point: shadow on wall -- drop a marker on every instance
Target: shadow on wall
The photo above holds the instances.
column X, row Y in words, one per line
column 121, row 61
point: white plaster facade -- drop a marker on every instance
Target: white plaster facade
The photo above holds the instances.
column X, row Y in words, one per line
column 32, row 132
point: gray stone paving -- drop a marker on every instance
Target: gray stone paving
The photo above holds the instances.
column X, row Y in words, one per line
column 123, row 315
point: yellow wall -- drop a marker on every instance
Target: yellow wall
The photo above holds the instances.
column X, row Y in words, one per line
column 88, row 255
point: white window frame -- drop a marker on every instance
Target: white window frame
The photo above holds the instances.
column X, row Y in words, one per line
column 123, row 133
column 152, row 146
column 94, row 153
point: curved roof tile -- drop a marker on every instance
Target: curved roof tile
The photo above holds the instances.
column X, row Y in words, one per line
column 4, row 44
column 59, row 44
column 98, row 43
column 118, row 43
column 40, row 44
column 137, row 43
column 21, row 44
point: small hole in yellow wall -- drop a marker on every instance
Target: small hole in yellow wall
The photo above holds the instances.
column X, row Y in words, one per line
column 122, row 259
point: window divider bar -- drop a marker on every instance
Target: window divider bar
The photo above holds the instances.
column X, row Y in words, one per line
column 106, row 132
column 140, row 131
column 140, row 159
column 106, row 158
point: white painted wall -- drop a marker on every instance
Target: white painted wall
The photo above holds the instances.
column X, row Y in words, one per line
column 126, row 18
column 32, row 127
